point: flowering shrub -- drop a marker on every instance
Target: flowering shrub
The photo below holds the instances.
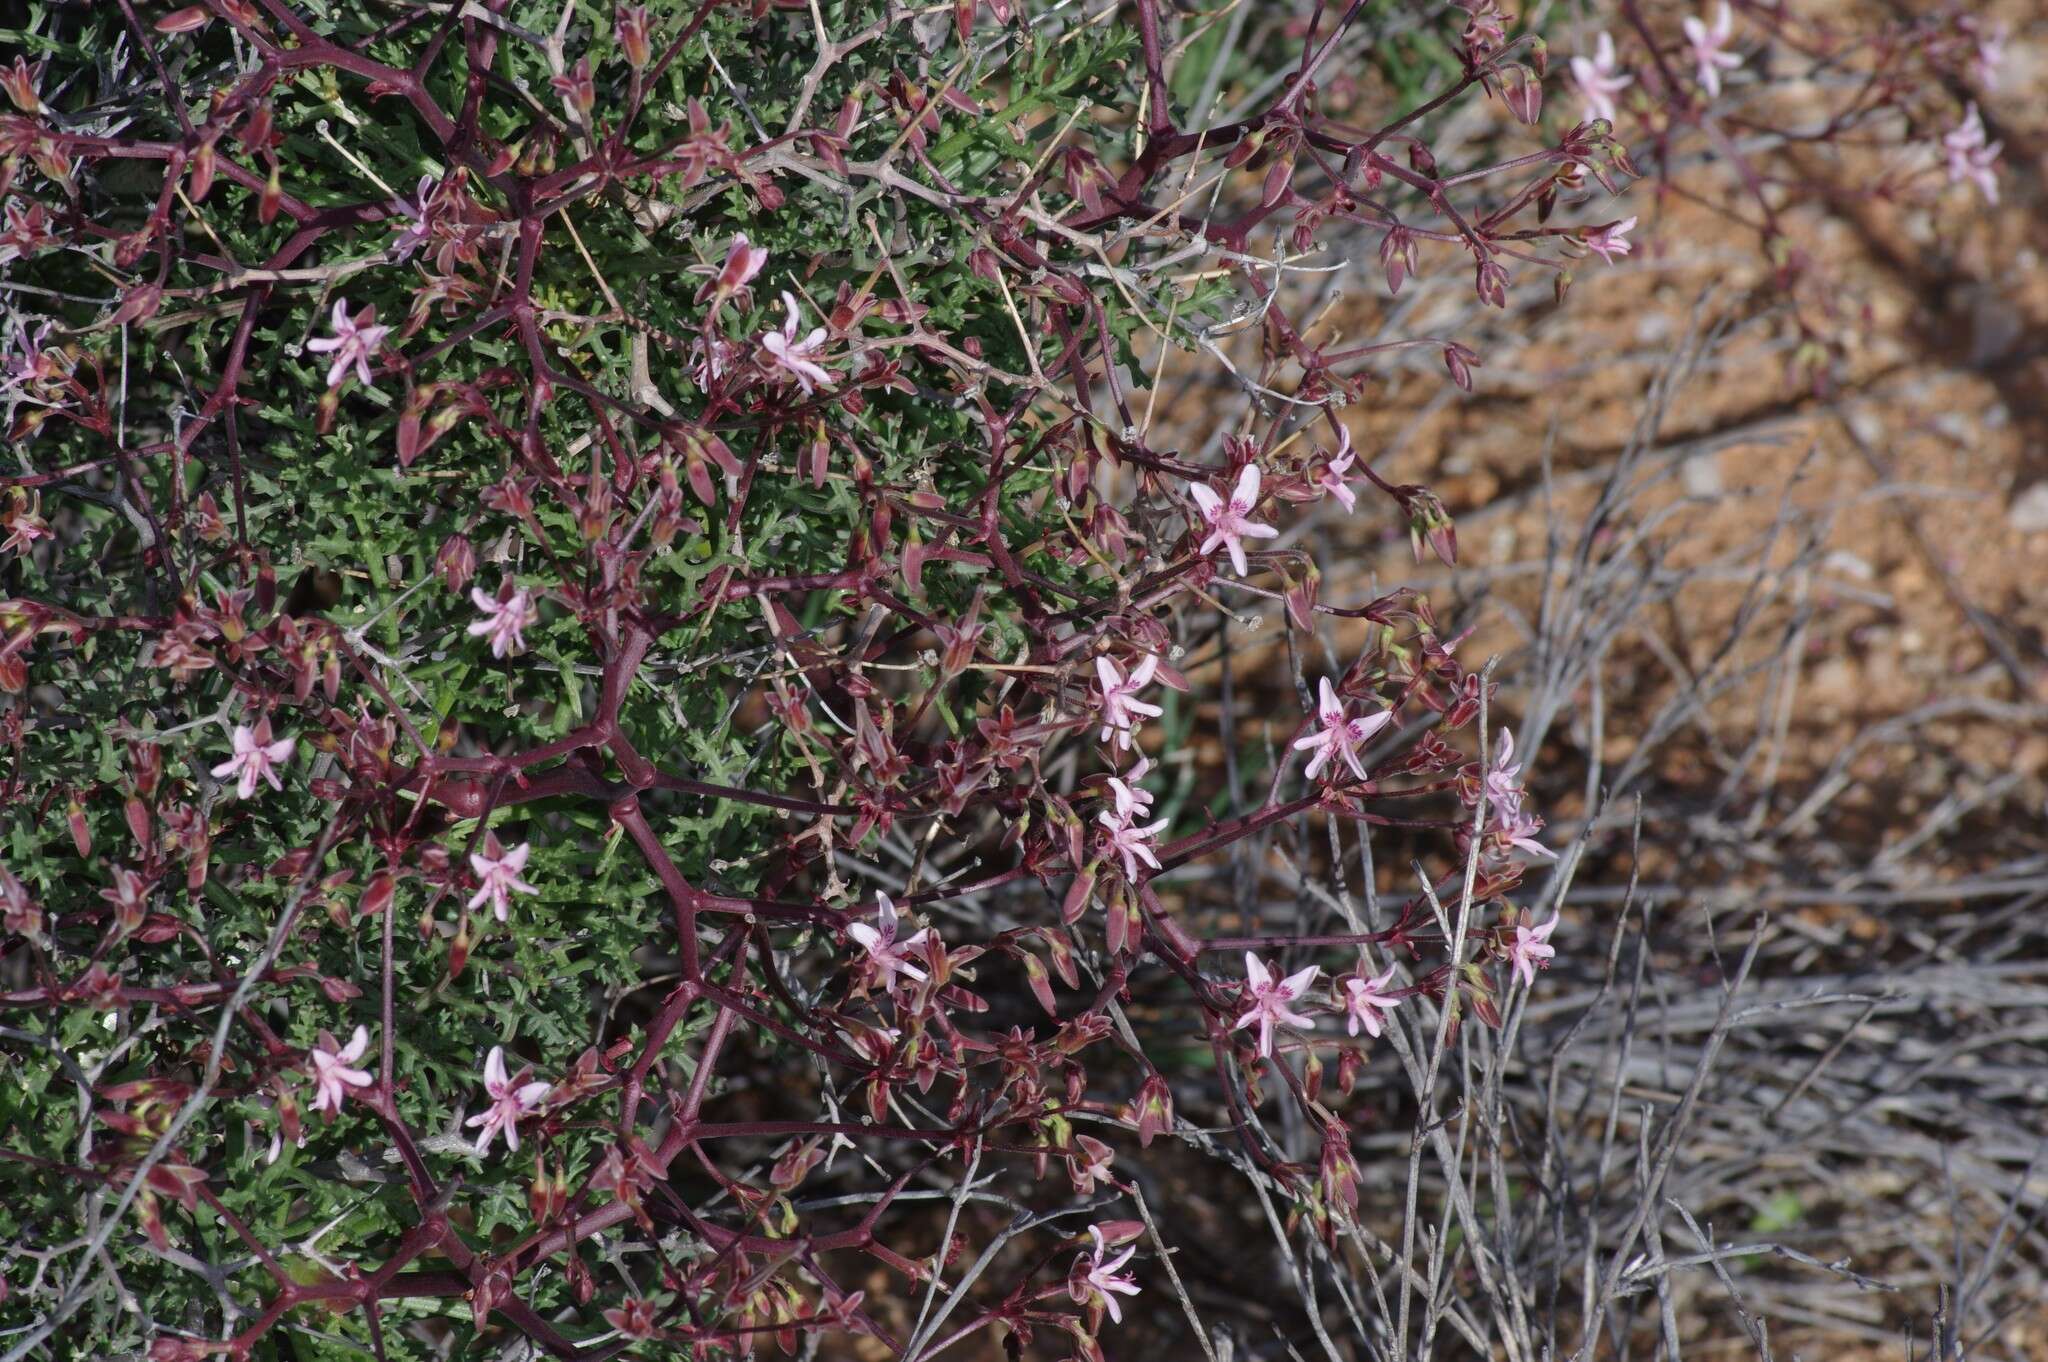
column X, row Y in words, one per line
column 613, row 561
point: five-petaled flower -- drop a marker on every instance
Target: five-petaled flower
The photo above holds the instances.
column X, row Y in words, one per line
column 1612, row 240
column 416, row 214
column 1518, row 828
column 890, row 956
column 497, row 874
column 22, row 518
column 634, row 1319
column 1504, row 777
column 1366, row 1001
column 1531, row 949
column 1120, row 709
column 1270, row 998
column 505, row 617
column 1600, row 79
column 1330, row 477
column 797, row 356
column 1340, row 735
column 1707, row 44
column 1127, row 838
column 1970, row 157
column 1104, row 1278
column 353, row 342
column 332, row 1074
column 256, row 758
column 510, row 1100
column 1226, row 520
column 1990, row 52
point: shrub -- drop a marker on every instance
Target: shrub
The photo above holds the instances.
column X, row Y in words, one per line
column 545, row 538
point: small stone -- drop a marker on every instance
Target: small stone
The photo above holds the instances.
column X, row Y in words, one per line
column 2029, row 511
column 1701, row 475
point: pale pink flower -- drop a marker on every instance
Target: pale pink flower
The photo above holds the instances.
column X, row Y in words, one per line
column 1600, row 79
column 1270, row 999
column 1131, row 797
column 1129, row 841
column 418, row 227
column 1120, row 710
column 1990, row 53
column 1504, row 777
column 889, row 955
column 1340, row 735
column 1518, row 827
column 25, row 524
column 256, row 758
column 1089, row 1164
column 510, row 1100
column 1366, row 1002
column 1330, row 478
column 332, row 1074
column 353, row 342
column 505, row 617
column 1970, row 158
column 797, row 356
column 714, row 358
column 1532, row 950
column 1612, row 240
column 1105, row 1278
column 497, row 873
column 1707, row 44
column 1227, row 521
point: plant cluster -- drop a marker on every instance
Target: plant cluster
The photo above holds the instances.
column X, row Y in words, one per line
column 588, row 611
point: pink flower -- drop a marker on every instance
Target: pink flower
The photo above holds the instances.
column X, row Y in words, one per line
column 742, row 262
column 1706, row 45
column 1105, row 1278
column 505, row 617
column 1341, row 735
column 1269, row 1001
column 1990, row 53
column 1969, row 158
column 332, row 1076
column 256, row 758
column 1089, row 1164
column 510, row 1100
column 1503, row 779
column 130, row 897
column 795, row 355
column 1330, row 478
column 713, row 359
column 24, row 522
column 1518, row 828
column 1130, row 796
column 497, row 872
column 353, row 342
column 1128, row 840
column 1366, row 1002
column 1120, row 712
column 1226, row 520
column 1611, row 240
column 1531, row 950
column 418, row 228
column 884, row 950
column 1598, row 79
column 634, row 1319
